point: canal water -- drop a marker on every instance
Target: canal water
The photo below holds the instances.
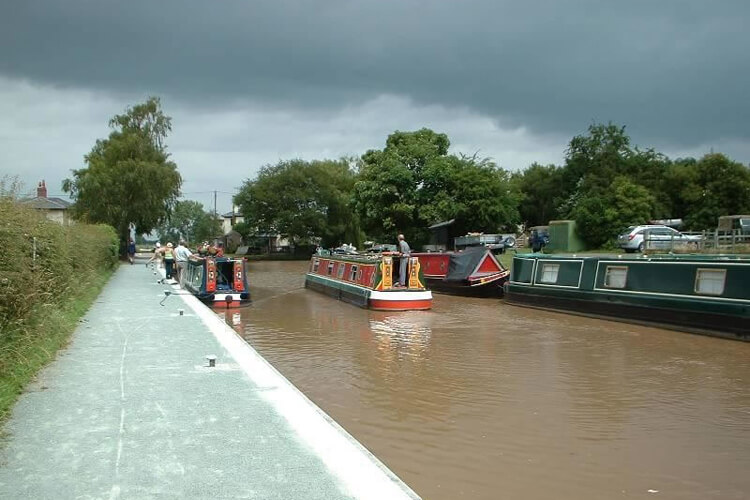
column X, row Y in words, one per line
column 478, row 399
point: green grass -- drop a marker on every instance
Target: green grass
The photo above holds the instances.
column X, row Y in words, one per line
column 27, row 349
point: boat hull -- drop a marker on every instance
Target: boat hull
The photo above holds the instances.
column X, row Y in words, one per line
column 698, row 294
column 691, row 321
column 390, row 300
column 492, row 288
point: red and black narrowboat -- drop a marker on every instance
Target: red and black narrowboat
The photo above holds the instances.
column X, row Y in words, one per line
column 369, row 281
column 219, row 281
column 474, row 272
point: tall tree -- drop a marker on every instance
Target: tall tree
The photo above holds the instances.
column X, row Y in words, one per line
column 129, row 179
column 303, row 200
column 539, row 187
column 413, row 182
column 601, row 171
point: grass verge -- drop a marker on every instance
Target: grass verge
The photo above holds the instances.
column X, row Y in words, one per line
column 27, row 349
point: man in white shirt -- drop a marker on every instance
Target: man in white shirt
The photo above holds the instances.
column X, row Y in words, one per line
column 403, row 248
column 181, row 254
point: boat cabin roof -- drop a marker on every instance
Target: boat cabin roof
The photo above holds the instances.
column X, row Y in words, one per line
column 638, row 258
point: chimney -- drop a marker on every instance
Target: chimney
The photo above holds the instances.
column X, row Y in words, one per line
column 41, row 190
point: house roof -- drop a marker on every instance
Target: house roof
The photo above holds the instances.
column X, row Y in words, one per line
column 42, row 203
column 442, row 224
column 229, row 215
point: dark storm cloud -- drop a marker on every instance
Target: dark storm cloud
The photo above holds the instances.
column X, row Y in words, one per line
column 676, row 71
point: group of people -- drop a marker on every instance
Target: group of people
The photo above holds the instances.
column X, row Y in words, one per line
column 175, row 258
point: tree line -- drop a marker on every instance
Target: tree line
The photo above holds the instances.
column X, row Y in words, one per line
column 604, row 183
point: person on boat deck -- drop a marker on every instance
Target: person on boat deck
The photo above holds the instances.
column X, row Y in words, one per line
column 158, row 253
column 181, row 255
column 202, row 249
column 169, row 260
column 131, row 250
column 219, row 249
column 405, row 251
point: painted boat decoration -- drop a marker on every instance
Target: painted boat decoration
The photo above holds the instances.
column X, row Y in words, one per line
column 369, row 281
column 474, row 272
column 220, row 281
column 693, row 293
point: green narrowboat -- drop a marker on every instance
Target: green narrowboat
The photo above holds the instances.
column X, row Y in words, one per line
column 694, row 293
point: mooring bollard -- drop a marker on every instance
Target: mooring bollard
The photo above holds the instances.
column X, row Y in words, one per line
column 211, row 360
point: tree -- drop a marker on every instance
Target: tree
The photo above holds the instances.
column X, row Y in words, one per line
column 708, row 188
column 600, row 217
column 190, row 222
column 610, row 185
column 413, row 183
column 304, row 200
column 476, row 193
column 129, row 179
column 539, row 188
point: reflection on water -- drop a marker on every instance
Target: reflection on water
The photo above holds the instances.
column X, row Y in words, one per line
column 478, row 399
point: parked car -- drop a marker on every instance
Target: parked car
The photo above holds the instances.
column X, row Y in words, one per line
column 640, row 238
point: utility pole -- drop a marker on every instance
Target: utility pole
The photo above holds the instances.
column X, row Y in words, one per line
column 215, row 214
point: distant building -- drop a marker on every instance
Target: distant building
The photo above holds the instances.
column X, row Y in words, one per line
column 55, row 209
column 229, row 220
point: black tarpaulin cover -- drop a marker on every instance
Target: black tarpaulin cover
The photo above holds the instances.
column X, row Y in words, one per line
column 462, row 264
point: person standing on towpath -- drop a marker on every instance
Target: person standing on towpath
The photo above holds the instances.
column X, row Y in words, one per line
column 131, row 250
column 169, row 260
column 405, row 251
column 158, row 252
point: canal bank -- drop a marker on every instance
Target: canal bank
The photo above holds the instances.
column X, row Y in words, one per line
column 132, row 410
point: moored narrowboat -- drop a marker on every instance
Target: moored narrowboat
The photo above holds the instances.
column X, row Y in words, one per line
column 474, row 272
column 693, row 293
column 369, row 281
column 219, row 281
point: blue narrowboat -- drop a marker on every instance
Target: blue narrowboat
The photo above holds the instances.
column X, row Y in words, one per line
column 220, row 281
column 693, row 293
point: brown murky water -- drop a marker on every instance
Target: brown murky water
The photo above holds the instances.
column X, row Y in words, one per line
column 478, row 399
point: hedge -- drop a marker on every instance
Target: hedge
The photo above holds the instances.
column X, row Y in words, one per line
column 46, row 270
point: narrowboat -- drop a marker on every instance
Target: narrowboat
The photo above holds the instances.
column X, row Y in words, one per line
column 474, row 272
column 220, row 281
column 369, row 281
column 694, row 293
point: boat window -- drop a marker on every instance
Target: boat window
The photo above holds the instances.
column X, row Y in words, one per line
column 710, row 281
column 340, row 272
column 353, row 274
column 615, row 276
column 197, row 277
column 330, row 268
column 316, row 263
column 549, row 273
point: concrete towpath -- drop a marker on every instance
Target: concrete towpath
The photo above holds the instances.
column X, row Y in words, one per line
column 130, row 410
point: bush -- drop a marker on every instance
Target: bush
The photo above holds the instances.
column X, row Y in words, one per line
column 42, row 262
column 49, row 274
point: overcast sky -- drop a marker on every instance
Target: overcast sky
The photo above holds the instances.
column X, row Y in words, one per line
column 249, row 82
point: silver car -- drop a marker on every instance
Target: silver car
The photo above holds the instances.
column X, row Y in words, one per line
column 655, row 237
